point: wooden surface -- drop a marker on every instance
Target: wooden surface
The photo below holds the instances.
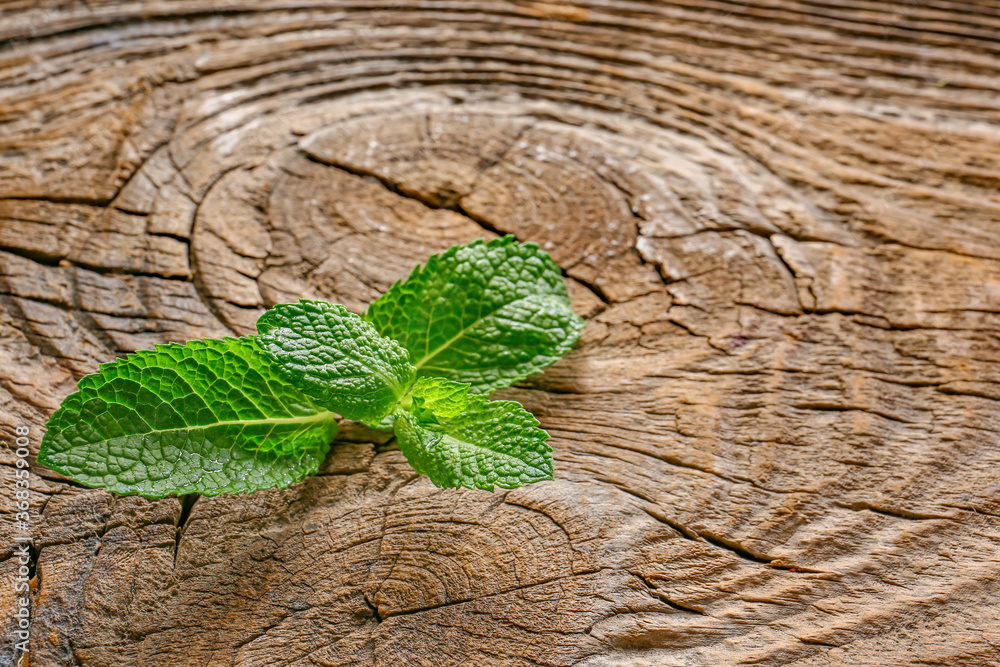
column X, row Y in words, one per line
column 777, row 443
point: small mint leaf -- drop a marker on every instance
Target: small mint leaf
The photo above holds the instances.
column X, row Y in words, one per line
column 485, row 444
column 435, row 400
column 337, row 358
column 209, row 417
column 384, row 424
column 489, row 314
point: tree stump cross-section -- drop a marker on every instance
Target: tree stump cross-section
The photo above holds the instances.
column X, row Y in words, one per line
column 777, row 443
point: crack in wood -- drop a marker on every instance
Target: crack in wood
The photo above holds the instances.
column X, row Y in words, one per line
column 187, row 503
column 450, row 204
column 908, row 515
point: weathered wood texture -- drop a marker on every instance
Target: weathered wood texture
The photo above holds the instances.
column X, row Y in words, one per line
column 777, row 443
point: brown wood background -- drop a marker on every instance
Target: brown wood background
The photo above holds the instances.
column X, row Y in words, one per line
column 777, row 443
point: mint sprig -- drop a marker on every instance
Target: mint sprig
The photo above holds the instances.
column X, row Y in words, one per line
column 236, row 415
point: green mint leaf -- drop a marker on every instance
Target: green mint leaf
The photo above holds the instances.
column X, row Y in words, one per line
column 482, row 445
column 385, row 424
column 489, row 314
column 435, row 400
column 336, row 358
column 209, row 417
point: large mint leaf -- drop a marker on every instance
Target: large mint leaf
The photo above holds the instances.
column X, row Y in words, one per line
column 484, row 444
column 489, row 314
column 210, row 417
column 337, row 358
